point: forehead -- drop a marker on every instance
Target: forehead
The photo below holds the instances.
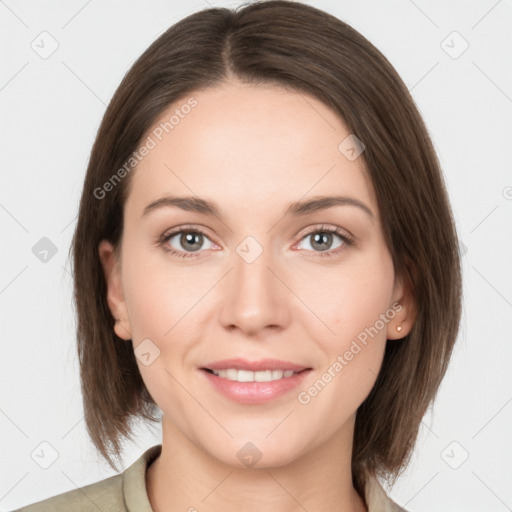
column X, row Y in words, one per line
column 252, row 147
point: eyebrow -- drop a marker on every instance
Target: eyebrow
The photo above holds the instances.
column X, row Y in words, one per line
column 297, row 208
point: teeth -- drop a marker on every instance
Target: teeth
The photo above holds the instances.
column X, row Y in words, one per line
column 248, row 376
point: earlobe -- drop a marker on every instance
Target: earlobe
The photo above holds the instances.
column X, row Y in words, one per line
column 400, row 325
column 122, row 329
column 115, row 296
column 405, row 312
column 396, row 332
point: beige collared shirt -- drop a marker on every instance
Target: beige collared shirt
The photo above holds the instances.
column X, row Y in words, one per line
column 126, row 492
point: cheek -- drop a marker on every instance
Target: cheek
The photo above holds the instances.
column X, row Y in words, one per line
column 160, row 295
column 350, row 299
column 351, row 302
column 358, row 314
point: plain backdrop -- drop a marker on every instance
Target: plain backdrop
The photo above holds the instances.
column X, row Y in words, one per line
column 454, row 57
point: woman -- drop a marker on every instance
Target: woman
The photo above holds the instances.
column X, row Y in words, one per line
column 265, row 252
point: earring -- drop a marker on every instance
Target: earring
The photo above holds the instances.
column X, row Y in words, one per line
column 399, row 328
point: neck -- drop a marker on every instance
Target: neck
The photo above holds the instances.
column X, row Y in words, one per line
column 187, row 478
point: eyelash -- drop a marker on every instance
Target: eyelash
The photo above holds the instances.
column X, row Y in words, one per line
column 347, row 239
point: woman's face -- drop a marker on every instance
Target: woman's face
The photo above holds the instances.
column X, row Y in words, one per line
column 264, row 279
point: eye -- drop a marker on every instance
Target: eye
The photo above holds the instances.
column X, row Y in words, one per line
column 322, row 240
column 185, row 242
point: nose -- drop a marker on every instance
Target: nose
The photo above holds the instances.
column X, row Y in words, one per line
column 255, row 298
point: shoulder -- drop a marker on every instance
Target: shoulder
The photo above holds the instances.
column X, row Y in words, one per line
column 118, row 493
column 103, row 495
column 377, row 500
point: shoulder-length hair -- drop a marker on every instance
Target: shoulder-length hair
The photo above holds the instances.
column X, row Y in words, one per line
column 307, row 50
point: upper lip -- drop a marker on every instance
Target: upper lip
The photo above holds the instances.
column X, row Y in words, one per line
column 255, row 366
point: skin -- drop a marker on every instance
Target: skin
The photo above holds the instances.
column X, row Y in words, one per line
column 253, row 150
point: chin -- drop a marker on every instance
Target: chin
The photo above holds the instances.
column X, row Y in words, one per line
column 255, row 454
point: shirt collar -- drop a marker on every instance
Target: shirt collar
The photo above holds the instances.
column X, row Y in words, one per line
column 134, row 481
column 136, row 496
column 377, row 499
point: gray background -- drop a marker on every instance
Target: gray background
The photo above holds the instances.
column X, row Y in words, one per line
column 51, row 108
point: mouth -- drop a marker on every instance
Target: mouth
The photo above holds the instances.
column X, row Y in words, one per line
column 252, row 383
column 268, row 375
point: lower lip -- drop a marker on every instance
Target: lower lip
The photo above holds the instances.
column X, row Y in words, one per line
column 255, row 392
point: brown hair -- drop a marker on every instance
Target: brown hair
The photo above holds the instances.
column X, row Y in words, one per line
column 297, row 46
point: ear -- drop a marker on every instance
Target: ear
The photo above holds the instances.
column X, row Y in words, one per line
column 403, row 304
column 115, row 297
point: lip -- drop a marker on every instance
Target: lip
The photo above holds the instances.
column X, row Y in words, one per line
column 254, row 366
column 254, row 393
